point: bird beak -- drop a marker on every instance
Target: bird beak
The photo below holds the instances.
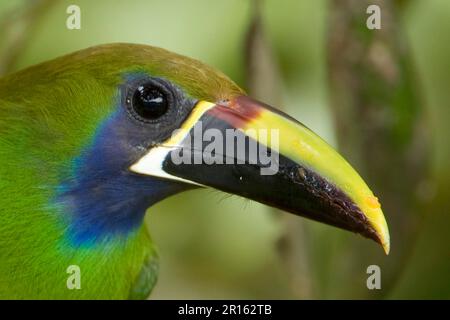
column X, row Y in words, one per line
column 244, row 147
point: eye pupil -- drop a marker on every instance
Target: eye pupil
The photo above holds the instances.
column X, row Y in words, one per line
column 150, row 102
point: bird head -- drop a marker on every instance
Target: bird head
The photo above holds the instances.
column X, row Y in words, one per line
column 129, row 125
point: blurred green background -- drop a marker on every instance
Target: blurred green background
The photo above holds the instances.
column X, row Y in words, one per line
column 213, row 245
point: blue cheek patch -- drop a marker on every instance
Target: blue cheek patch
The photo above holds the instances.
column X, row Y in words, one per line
column 102, row 199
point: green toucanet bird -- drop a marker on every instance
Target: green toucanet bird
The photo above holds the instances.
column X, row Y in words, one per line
column 89, row 141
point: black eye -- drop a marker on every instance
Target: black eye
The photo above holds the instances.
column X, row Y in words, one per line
column 150, row 102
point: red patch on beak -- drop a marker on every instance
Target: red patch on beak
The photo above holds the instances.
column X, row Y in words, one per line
column 238, row 111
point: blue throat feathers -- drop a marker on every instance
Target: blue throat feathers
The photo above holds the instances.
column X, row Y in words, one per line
column 101, row 199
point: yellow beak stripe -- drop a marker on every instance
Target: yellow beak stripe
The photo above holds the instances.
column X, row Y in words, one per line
column 304, row 147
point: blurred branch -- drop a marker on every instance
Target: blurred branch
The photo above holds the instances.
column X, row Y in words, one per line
column 16, row 29
column 264, row 82
column 263, row 75
column 380, row 121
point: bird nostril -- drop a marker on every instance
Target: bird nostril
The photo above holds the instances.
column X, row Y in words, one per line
column 224, row 102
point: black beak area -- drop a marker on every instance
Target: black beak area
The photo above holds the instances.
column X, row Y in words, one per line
column 244, row 147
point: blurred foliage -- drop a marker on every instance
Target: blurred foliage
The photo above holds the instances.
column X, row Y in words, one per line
column 216, row 246
column 380, row 123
